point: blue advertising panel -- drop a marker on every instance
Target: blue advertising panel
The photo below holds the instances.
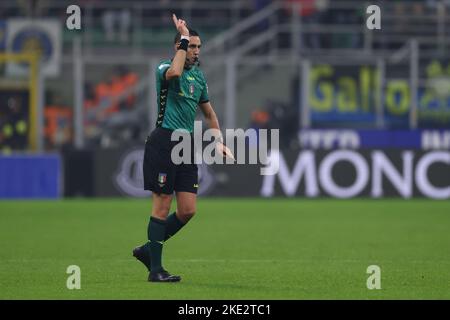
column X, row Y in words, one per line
column 30, row 177
column 374, row 139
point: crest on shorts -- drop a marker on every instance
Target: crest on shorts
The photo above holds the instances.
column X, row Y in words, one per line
column 191, row 88
column 162, row 178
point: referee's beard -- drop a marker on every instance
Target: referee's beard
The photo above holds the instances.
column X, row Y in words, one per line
column 190, row 62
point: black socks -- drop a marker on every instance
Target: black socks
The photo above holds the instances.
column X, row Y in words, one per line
column 156, row 236
column 173, row 225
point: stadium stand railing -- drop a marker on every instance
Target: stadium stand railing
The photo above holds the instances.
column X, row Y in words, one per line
column 142, row 26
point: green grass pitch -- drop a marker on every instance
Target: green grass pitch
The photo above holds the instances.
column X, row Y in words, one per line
column 232, row 249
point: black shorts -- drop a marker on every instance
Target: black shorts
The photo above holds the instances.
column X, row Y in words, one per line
column 161, row 175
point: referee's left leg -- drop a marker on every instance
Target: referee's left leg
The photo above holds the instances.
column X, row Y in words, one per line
column 186, row 206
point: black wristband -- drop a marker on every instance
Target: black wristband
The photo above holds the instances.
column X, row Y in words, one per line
column 183, row 44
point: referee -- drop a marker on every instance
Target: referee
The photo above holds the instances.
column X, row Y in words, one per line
column 181, row 88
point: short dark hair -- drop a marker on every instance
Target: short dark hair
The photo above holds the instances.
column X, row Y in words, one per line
column 192, row 33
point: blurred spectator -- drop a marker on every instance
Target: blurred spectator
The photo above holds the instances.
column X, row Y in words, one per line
column 405, row 22
column 434, row 3
column 259, row 120
column 399, row 11
column 129, row 80
column 117, row 23
column 34, row 8
column 14, row 126
column 260, row 5
column 311, row 12
column 418, row 8
column 276, row 115
column 347, row 16
column 108, row 98
column 92, row 117
column 58, row 130
column 306, row 8
column 397, row 25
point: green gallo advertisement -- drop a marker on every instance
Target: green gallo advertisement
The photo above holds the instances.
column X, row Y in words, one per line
column 346, row 95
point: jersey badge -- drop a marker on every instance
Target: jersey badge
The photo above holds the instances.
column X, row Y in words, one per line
column 162, row 178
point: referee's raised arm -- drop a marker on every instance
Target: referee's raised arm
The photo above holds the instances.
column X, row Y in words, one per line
column 176, row 68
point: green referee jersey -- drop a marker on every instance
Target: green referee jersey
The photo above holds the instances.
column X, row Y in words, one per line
column 178, row 98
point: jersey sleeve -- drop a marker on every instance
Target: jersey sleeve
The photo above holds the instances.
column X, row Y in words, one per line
column 161, row 71
column 204, row 97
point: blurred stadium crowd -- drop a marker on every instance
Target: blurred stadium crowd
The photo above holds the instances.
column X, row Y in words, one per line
column 112, row 91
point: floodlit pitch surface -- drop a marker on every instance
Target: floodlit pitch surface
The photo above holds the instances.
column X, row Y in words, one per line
column 232, row 249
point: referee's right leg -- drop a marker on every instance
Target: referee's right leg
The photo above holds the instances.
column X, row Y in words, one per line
column 159, row 176
column 157, row 231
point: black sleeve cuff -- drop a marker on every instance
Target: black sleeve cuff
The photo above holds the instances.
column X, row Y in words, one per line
column 183, row 44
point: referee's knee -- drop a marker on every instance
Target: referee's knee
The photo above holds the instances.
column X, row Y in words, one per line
column 160, row 213
column 185, row 215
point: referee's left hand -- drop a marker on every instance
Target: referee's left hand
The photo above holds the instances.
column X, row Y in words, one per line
column 224, row 150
